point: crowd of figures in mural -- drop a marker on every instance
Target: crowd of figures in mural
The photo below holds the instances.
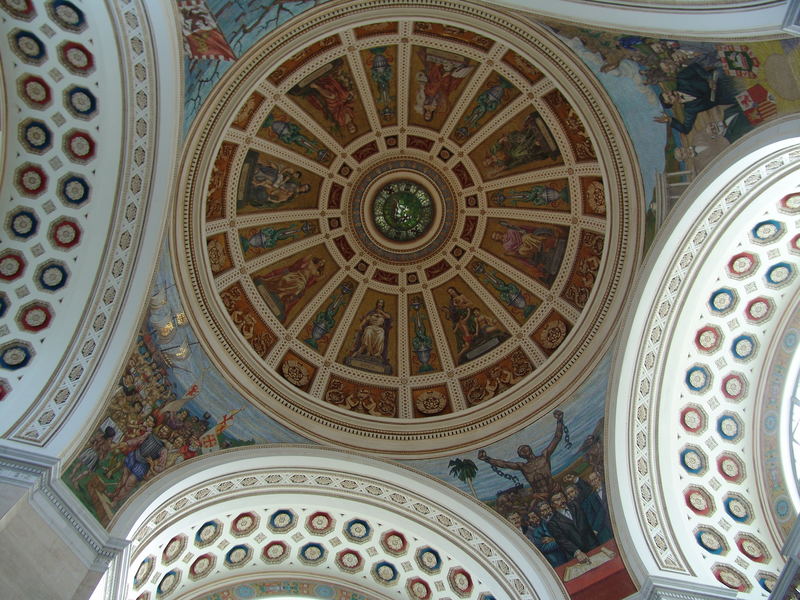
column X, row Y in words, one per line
column 565, row 516
column 146, row 429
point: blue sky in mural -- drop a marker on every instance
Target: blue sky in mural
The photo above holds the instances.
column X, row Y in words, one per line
column 216, row 395
column 638, row 104
column 581, row 414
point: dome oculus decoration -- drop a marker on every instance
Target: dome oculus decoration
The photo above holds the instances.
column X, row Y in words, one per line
column 404, row 210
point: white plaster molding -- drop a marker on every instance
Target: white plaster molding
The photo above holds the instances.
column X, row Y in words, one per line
column 302, row 472
column 788, row 576
column 791, row 549
column 727, row 20
column 310, row 576
column 56, row 346
column 147, row 36
column 38, row 474
column 115, row 582
column 791, row 22
column 668, row 588
column 635, row 466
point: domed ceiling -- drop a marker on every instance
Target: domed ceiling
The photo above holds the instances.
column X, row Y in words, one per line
column 405, row 227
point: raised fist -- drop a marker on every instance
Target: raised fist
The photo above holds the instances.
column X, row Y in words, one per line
column 558, row 414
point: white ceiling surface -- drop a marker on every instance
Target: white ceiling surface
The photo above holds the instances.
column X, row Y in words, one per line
column 708, row 18
column 668, row 393
column 94, row 266
column 465, row 532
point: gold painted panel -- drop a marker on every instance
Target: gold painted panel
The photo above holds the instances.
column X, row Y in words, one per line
column 492, row 97
column 453, row 33
column 297, row 371
column 552, row 332
column 361, row 397
column 584, row 270
column 259, row 240
column 523, row 66
column 380, row 65
column 519, row 302
column 439, row 77
column 268, row 183
column 247, row 111
column 330, row 97
column 374, row 29
column 298, row 59
column 536, row 249
column 283, row 130
column 218, row 256
column 371, row 341
column 319, row 330
column 594, row 196
column 470, row 328
column 423, row 353
column 287, row 285
column 215, row 199
column 522, row 144
column 431, row 401
column 544, row 195
column 496, row 379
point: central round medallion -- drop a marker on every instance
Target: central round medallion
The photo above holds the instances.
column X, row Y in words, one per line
column 403, row 211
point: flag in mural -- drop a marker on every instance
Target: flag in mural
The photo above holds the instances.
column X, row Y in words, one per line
column 202, row 37
column 191, row 393
column 209, row 441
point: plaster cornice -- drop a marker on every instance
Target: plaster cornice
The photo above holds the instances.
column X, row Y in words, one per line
column 714, row 201
column 194, row 490
column 664, row 588
column 748, row 19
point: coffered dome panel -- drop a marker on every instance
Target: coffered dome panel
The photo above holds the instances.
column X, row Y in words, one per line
column 406, row 225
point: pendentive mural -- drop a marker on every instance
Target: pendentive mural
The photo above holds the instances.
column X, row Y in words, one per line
column 170, row 405
column 548, row 481
column 699, row 97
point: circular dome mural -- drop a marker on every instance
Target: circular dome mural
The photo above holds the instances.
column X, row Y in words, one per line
column 406, row 227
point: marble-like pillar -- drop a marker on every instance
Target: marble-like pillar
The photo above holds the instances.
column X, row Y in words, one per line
column 51, row 548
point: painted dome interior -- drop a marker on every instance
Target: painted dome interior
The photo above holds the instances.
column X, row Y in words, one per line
column 404, row 220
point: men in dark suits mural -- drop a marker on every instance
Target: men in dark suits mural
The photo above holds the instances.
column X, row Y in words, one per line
column 570, row 528
column 596, row 507
column 565, row 516
column 697, row 90
column 590, row 496
column 538, row 533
